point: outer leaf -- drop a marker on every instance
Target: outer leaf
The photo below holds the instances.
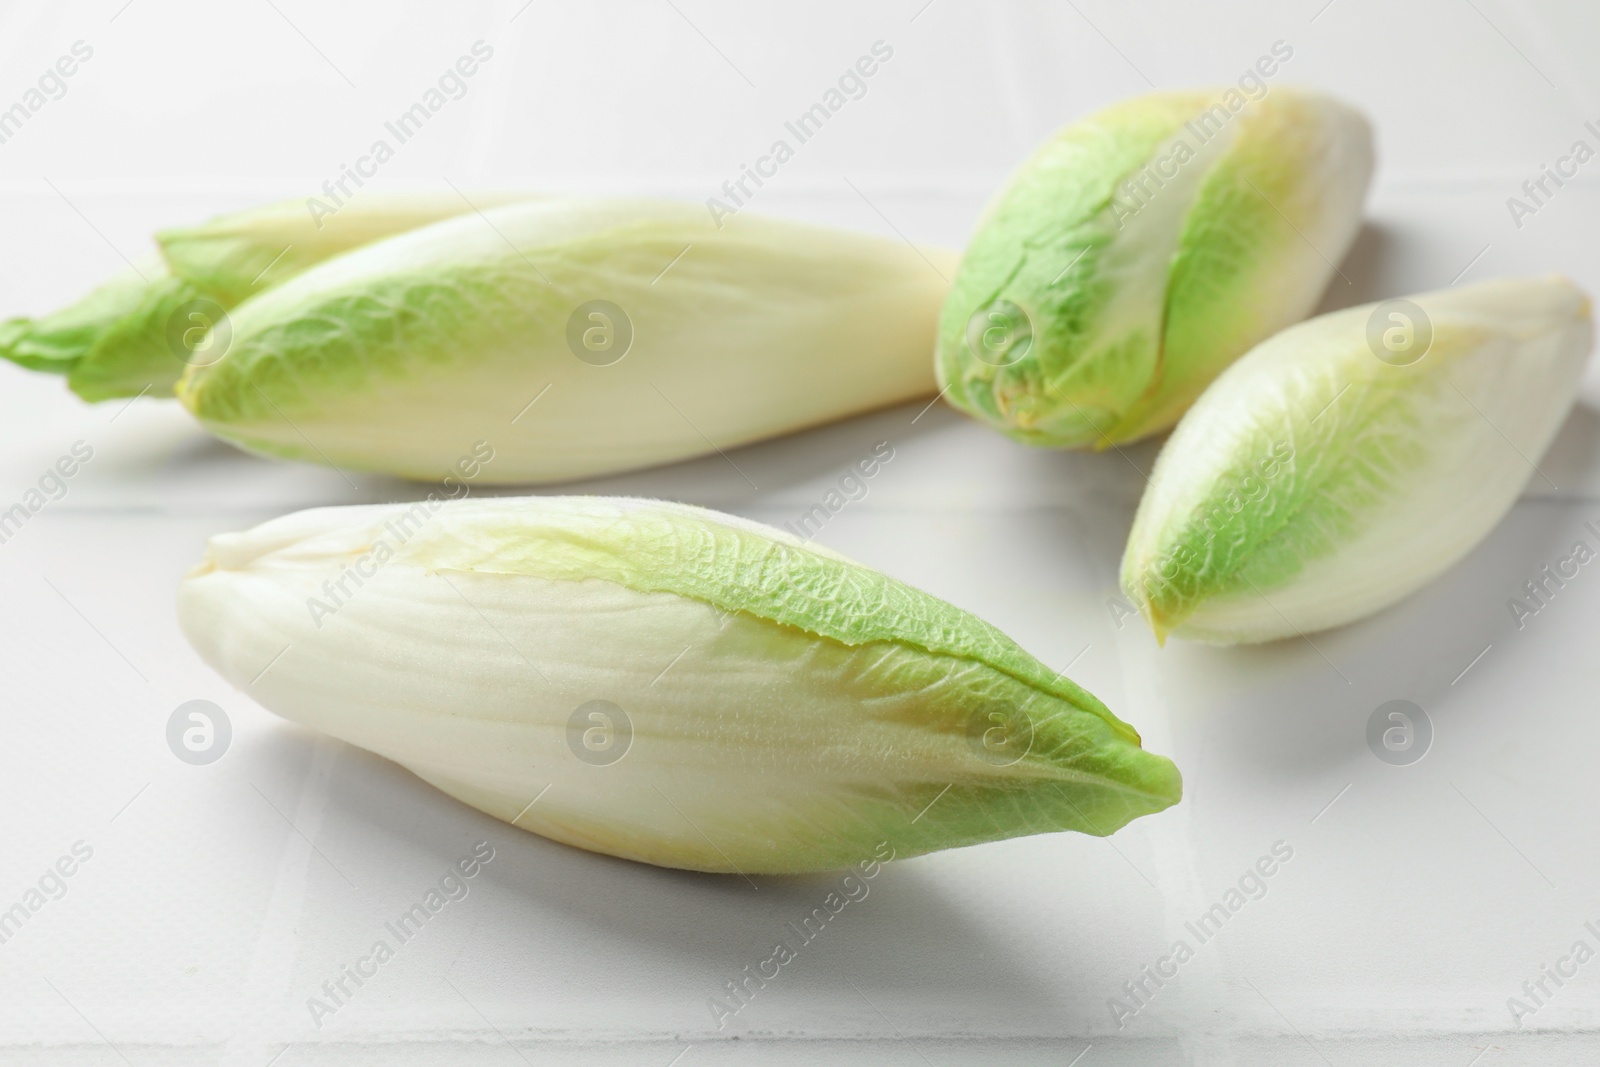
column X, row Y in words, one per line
column 1314, row 483
column 790, row 710
column 111, row 343
column 1147, row 247
column 399, row 356
column 127, row 337
column 236, row 256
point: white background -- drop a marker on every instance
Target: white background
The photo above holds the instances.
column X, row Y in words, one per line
column 218, row 898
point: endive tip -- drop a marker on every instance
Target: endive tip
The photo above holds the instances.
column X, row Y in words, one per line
column 1585, row 302
column 1583, row 305
column 1160, row 629
column 186, row 390
column 13, row 331
column 232, row 552
column 1104, row 440
column 1159, row 623
column 208, row 561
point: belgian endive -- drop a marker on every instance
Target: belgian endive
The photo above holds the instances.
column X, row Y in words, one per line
column 135, row 334
column 1142, row 250
column 661, row 682
column 1351, row 459
column 578, row 336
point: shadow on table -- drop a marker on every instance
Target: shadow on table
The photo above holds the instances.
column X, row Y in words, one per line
column 684, row 934
column 1370, row 271
column 180, row 459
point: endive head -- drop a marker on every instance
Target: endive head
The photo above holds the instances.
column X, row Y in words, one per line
column 1352, row 458
column 1142, row 250
column 657, row 332
column 672, row 685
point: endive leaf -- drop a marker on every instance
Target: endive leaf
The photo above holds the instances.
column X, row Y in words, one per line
column 1141, row 251
column 135, row 334
column 1321, row 478
column 783, row 708
column 657, row 333
column 112, row 343
column 238, row 255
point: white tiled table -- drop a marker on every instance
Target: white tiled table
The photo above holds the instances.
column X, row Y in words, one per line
column 217, row 899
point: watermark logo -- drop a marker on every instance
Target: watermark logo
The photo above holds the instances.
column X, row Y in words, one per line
column 199, row 732
column 1175, row 566
column 51, row 85
column 851, row 487
column 199, row 332
column 599, row 733
column 451, row 85
column 1399, row 732
column 599, row 332
column 1145, row 184
column 1000, row 334
column 1540, row 990
column 1121, row 611
column 51, row 487
column 1399, row 332
column 850, row 85
column 51, row 885
column 1538, row 191
column 1542, row 588
column 852, row 888
column 449, row 888
column 1137, row 992
column 402, row 528
column 1000, row 736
